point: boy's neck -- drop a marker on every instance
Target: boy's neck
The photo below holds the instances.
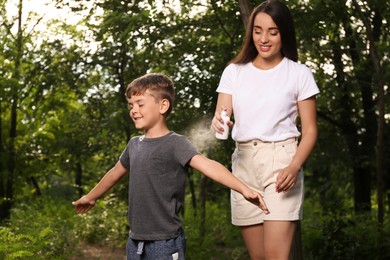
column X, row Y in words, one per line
column 157, row 131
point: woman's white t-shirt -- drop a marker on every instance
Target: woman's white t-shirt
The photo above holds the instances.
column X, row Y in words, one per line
column 265, row 101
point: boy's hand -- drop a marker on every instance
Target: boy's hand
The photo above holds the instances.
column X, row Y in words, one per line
column 255, row 198
column 84, row 204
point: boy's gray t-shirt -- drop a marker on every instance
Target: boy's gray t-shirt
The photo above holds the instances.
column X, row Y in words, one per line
column 158, row 170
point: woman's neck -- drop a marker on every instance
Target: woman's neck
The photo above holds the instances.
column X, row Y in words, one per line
column 266, row 64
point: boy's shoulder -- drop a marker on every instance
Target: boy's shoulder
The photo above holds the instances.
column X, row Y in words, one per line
column 175, row 137
column 136, row 138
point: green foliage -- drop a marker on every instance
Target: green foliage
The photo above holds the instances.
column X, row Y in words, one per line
column 72, row 118
column 54, row 231
column 342, row 235
column 39, row 228
column 105, row 224
column 16, row 246
column 221, row 239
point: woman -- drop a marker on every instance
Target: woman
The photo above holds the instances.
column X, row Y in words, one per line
column 266, row 89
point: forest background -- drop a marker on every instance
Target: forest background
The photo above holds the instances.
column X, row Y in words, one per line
column 64, row 120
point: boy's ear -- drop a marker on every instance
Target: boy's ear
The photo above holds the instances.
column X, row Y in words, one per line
column 164, row 106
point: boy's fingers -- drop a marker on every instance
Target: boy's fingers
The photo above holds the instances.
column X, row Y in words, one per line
column 258, row 200
column 263, row 206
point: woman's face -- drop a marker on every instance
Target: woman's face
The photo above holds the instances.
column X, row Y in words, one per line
column 266, row 37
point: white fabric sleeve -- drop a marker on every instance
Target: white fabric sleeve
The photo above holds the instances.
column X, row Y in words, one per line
column 226, row 84
column 308, row 86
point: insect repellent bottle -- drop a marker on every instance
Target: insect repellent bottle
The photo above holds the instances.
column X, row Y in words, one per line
column 225, row 133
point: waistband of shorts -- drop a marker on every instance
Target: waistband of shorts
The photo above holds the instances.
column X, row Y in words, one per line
column 269, row 144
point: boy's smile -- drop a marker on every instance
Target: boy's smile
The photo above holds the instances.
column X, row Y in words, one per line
column 145, row 111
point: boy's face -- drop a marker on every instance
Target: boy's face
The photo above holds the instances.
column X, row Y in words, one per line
column 145, row 110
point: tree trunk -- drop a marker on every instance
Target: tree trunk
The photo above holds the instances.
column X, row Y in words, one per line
column 79, row 178
column 120, row 73
column 246, row 10
column 361, row 169
column 202, row 199
column 381, row 108
column 36, row 186
column 192, row 191
column 11, row 169
column 296, row 248
column 362, row 188
column 3, row 170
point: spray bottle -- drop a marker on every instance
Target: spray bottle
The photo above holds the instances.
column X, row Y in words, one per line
column 225, row 133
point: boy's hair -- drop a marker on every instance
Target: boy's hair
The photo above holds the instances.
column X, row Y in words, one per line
column 160, row 86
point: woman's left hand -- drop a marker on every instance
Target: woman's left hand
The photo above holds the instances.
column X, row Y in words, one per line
column 286, row 178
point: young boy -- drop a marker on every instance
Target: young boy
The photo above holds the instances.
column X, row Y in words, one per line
column 158, row 163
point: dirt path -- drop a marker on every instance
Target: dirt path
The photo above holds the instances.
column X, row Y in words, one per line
column 95, row 252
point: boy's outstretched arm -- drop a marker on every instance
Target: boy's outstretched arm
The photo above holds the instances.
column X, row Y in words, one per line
column 217, row 172
column 87, row 202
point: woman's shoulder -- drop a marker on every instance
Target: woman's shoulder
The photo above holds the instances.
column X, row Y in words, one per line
column 297, row 65
column 235, row 67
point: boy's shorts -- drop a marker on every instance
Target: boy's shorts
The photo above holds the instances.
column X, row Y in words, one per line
column 257, row 164
column 170, row 249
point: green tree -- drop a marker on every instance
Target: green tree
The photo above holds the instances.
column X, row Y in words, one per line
column 336, row 48
column 12, row 84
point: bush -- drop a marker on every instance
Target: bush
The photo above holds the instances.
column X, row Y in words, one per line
column 44, row 228
column 38, row 228
column 221, row 239
column 47, row 228
column 15, row 246
column 336, row 235
column 106, row 223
